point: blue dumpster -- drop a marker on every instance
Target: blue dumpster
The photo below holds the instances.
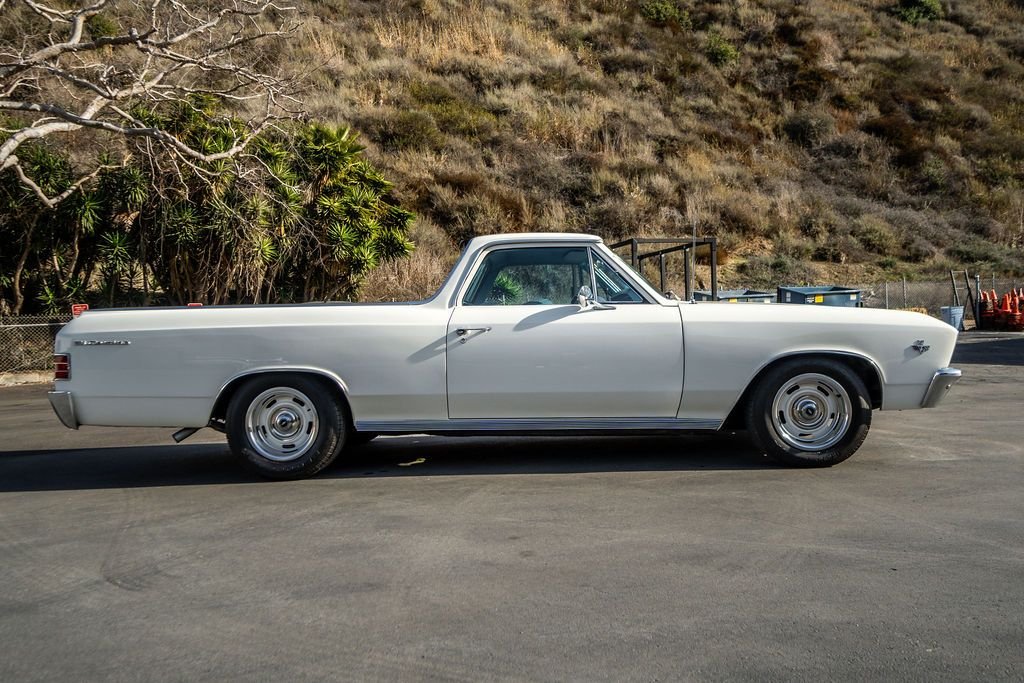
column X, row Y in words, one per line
column 736, row 296
column 823, row 296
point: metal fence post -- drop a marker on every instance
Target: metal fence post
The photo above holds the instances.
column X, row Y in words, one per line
column 977, row 301
column 905, row 292
column 886, row 285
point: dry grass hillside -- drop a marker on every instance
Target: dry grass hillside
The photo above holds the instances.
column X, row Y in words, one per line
column 841, row 139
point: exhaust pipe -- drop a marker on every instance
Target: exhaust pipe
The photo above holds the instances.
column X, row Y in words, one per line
column 184, row 433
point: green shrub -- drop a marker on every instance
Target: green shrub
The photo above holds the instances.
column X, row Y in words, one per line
column 809, row 128
column 795, row 247
column 101, row 26
column 666, row 12
column 462, row 118
column 829, row 252
column 918, row 250
column 452, row 114
column 409, row 130
column 974, row 251
column 916, row 11
column 425, row 92
column 720, row 51
column 876, row 235
column 934, row 172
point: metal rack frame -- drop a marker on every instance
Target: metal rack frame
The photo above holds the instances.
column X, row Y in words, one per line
column 636, row 258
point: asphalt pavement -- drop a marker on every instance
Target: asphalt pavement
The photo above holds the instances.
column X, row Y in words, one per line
column 125, row 557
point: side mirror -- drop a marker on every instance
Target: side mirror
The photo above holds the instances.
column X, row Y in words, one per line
column 585, row 297
column 587, row 301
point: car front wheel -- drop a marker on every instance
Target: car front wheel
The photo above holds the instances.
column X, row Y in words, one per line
column 285, row 426
column 810, row 413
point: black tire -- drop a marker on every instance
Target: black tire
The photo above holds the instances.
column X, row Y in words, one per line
column 803, row 390
column 361, row 438
column 313, row 448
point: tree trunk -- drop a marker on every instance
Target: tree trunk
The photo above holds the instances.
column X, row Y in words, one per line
column 19, row 296
column 142, row 263
column 72, row 265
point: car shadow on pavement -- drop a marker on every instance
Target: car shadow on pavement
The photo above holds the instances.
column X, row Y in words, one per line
column 400, row 456
column 997, row 350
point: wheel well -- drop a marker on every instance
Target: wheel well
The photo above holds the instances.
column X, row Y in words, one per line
column 862, row 367
column 220, row 406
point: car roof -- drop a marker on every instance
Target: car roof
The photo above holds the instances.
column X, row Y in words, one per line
column 486, row 240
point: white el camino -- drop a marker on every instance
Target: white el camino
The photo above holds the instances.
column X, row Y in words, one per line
column 530, row 334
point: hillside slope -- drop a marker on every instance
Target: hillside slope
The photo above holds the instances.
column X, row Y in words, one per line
column 850, row 139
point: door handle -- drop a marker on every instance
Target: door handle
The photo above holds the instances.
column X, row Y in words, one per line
column 462, row 332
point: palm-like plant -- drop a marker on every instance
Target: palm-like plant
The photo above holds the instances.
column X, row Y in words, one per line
column 303, row 215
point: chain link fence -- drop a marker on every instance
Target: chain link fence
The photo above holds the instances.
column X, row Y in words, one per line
column 930, row 297
column 26, row 342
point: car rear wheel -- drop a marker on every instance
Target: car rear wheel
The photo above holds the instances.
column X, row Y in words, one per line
column 285, row 426
column 810, row 413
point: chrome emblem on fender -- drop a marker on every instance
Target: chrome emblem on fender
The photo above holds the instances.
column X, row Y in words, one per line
column 102, row 342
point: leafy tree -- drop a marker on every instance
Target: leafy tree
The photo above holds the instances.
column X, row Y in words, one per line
column 301, row 215
column 27, row 228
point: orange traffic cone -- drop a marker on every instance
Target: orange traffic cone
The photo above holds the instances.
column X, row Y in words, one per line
column 1003, row 313
column 1015, row 321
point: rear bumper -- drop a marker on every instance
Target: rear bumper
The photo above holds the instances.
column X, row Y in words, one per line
column 941, row 383
column 64, row 407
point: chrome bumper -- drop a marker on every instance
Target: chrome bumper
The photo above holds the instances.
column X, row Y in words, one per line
column 64, row 407
column 942, row 382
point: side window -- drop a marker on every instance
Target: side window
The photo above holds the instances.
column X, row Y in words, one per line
column 529, row 276
column 612, row 287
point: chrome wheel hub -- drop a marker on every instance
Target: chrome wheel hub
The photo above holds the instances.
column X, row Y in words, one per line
column 282, row 424
column 811, row 412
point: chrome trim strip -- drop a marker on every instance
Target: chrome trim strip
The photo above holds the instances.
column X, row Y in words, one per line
column 102, row 342
column 538, row 424
column 64, row 407
column 941, row 383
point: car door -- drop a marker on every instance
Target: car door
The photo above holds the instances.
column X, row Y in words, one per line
column 519, row 345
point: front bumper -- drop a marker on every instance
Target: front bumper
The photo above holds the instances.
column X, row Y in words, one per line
column 941, row 383
column 64, row 407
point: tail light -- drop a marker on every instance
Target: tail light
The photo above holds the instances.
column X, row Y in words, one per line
column 61, row 366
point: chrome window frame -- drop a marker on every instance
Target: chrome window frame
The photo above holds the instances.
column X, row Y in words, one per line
column 481, row 256
column 593, row 276
column 476, row 259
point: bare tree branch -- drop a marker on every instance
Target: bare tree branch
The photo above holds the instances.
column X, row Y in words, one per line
column 65, row 79
column 50, row 202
